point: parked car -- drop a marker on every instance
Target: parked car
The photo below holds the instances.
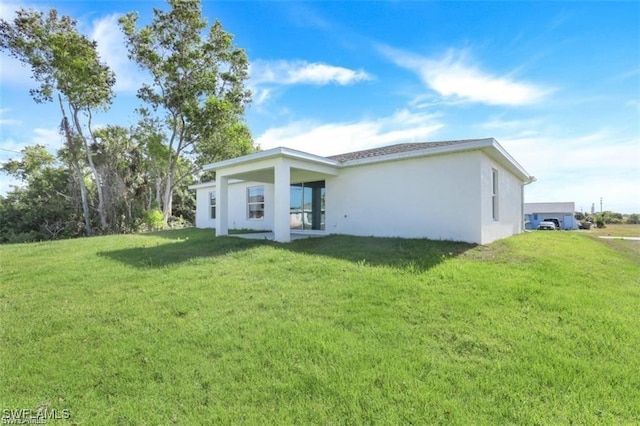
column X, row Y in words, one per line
column 545, row 225
column 555, row 222
column 584, row 225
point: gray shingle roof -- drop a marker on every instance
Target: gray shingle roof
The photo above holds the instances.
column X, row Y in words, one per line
column 394, row 149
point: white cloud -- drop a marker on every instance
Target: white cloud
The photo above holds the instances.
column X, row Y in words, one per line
column 111, row 48
column 12, row 71
column 574, row 166
column 49, row 138
column 261, row 95
column 336, row 138
column 633, row 103
column 113, row 51
column 581, row 169
column 301, row 72
column 500, row 124
column 453, row 76
column 8, row 121
column 8, row 9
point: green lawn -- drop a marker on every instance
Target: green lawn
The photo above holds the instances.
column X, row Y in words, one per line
column 180, row 327
column 615, row 230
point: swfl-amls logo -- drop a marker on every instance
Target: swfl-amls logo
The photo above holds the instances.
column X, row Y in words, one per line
column 34, row 417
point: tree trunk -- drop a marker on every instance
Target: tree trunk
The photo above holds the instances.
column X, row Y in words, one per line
column 167, row 200
column 96, row 176
column 78, row 171
column 158, row 197
column 85, row 199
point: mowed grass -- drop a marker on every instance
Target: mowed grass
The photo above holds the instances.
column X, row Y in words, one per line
column 615, row 230
column 181, row 327
column 613, row 238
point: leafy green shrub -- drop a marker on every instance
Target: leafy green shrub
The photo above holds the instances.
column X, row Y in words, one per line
column 154, row 219
column 633, row 219
column 20, row 237
column 179, row 222
column 600, row 223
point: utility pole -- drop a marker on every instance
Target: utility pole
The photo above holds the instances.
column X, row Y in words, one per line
column 601, row 205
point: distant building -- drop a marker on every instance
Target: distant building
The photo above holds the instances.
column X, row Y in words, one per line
column 534, row 213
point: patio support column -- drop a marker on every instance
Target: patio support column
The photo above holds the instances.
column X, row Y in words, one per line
column 281, row 201
column 222, row 206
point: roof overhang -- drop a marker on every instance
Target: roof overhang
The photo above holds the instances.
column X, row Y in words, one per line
column 494, row 150
column 270, row 154
column 254, row 166
column 489, row 146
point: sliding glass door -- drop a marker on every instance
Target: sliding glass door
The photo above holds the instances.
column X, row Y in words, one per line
column 306, row 211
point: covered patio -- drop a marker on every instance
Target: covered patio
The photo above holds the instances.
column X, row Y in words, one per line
column 281, row 167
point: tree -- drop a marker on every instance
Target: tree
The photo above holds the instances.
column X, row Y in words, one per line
column 198, row 88
column 120, row 162
column 64, row 61
column 34, row 159
column 42, row 209
column 633, row 219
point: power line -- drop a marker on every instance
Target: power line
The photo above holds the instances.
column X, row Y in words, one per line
column 10, row 150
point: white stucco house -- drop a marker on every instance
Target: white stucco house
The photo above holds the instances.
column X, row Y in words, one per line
column 467, row 190
column 564, row 212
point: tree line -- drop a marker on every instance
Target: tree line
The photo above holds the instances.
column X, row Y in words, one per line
column 608, row 217
column 115, row 179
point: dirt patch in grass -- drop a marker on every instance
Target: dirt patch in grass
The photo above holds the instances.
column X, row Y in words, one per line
column 629, row 247
column 499, row 251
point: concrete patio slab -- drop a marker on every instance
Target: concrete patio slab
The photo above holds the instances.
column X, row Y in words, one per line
column 270, row 236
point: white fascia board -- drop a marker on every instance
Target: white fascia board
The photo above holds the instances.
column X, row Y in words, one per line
column 209, row 184
column 271, row 153
column 212, row 184
column 512, row 163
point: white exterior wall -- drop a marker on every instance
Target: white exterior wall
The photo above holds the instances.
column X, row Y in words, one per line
column 510, row 202
column 203, row 219
column 238, row 215
column 431, row 197
column 441, row 197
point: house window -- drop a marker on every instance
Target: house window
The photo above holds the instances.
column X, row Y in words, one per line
column 212, row 204
column 494, row 194
column 255, row 202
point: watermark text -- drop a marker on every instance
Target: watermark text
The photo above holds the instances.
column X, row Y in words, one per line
column 26, row 416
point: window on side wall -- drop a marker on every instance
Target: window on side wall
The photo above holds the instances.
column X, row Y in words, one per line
column 212, row 205
column 255, row 202
column 494, row 194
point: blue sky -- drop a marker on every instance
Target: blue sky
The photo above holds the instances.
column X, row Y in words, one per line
column 556, row 83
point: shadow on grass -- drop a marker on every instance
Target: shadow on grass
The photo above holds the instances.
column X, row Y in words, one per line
column 416, row 255
column 181, row 246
